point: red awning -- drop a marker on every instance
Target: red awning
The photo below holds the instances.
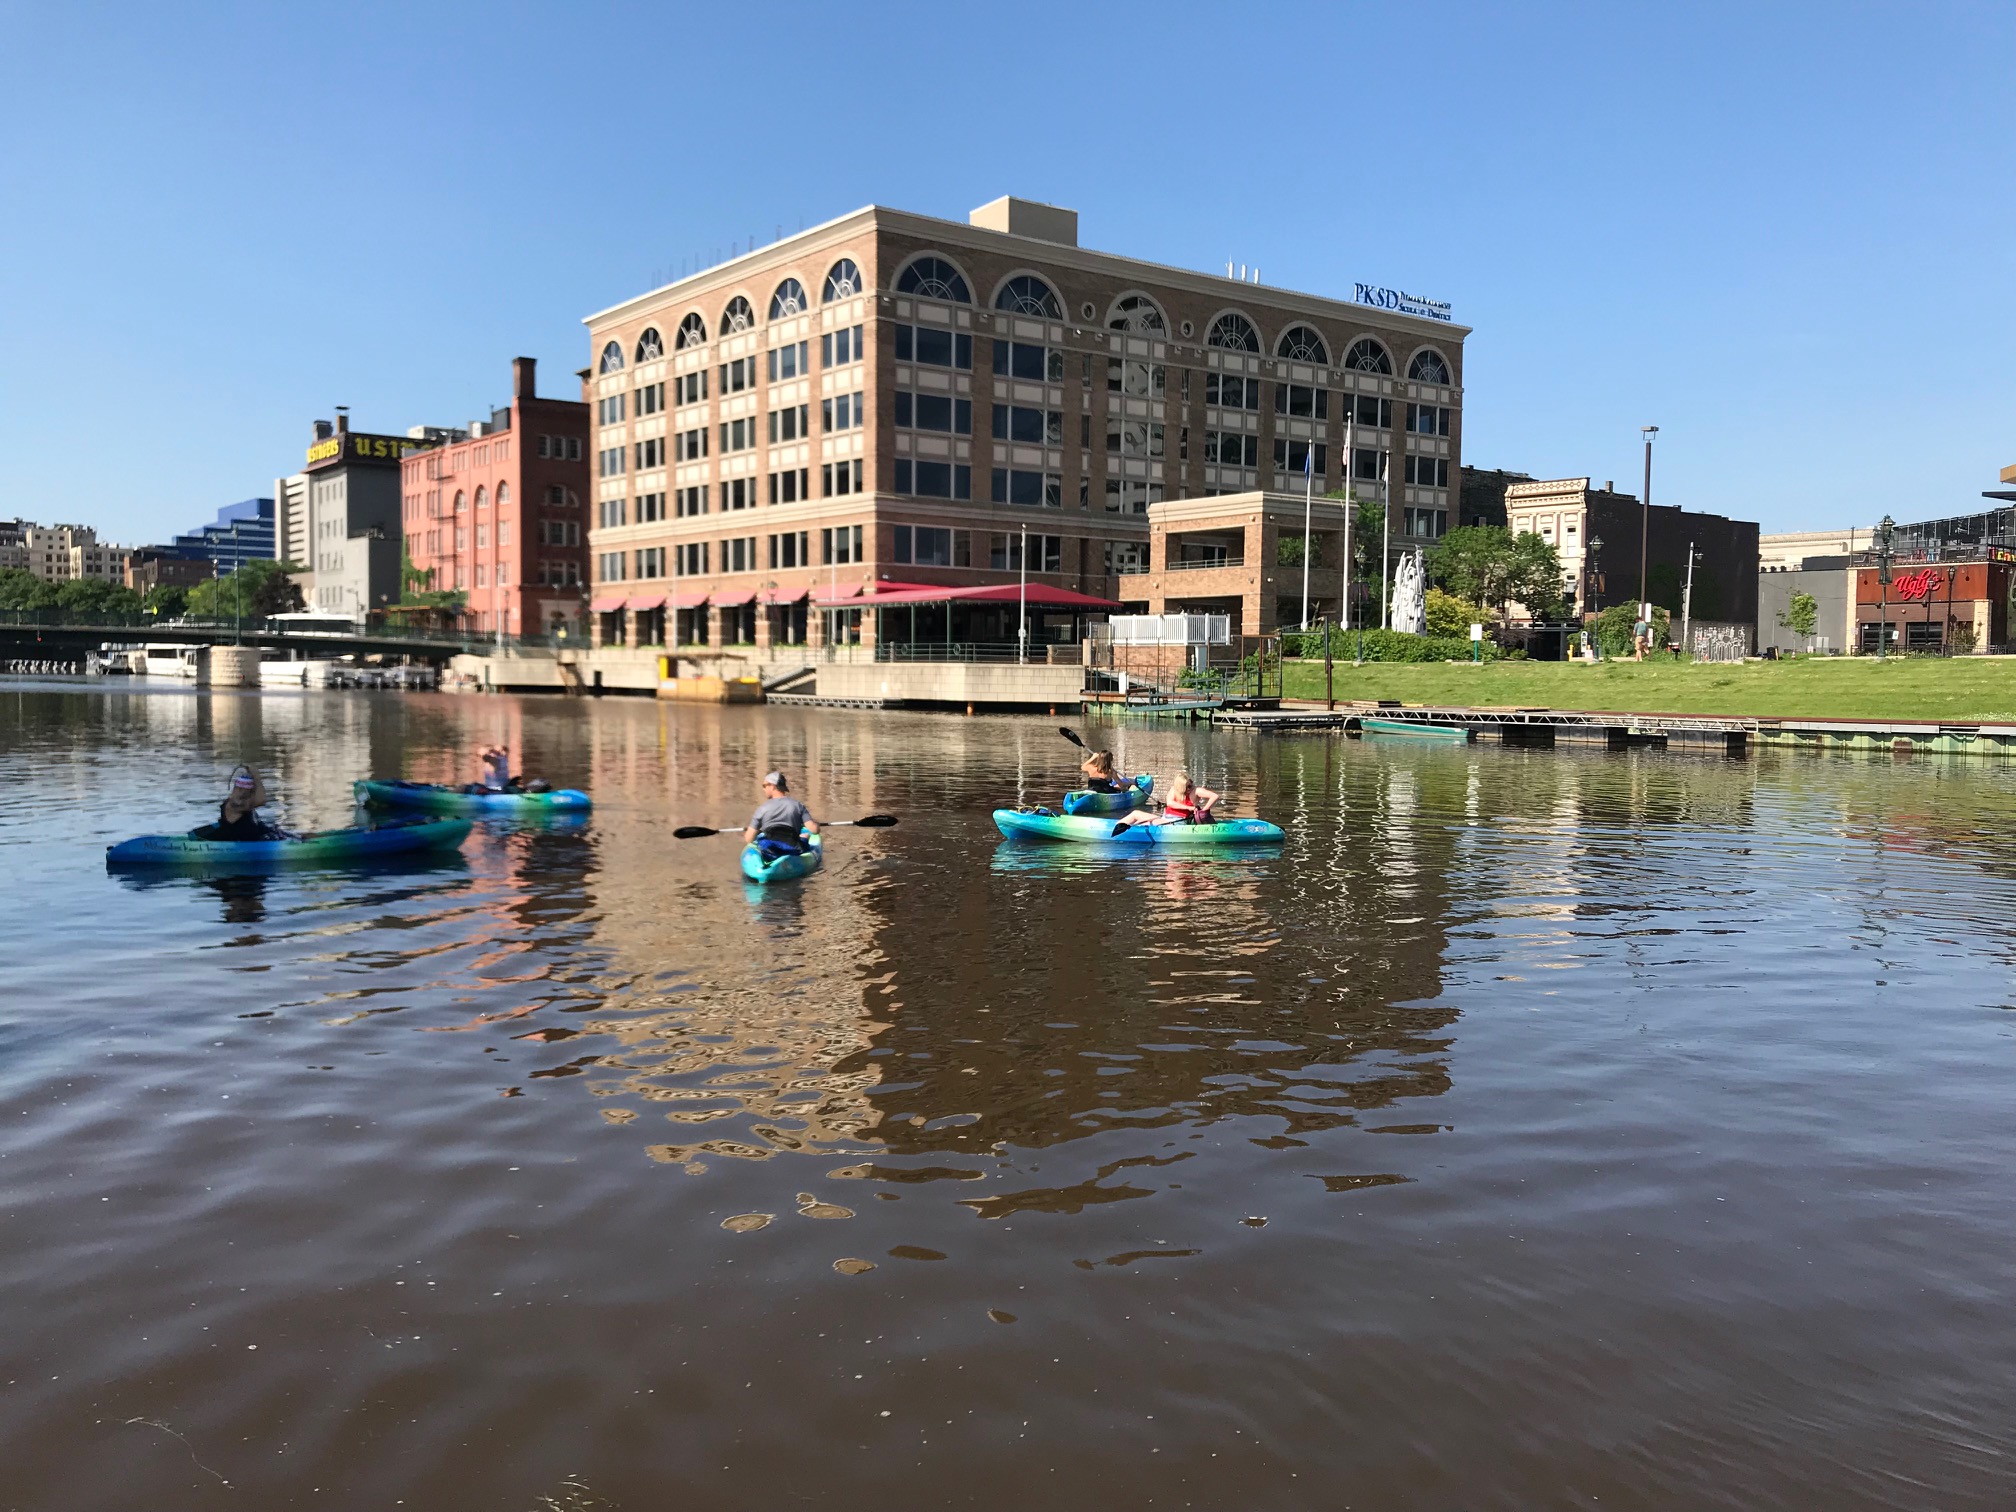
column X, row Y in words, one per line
column 734, row 598
column 608, row 602
column 1041, row 596
column 784, row 595
column 686, row 600
column 647, row 600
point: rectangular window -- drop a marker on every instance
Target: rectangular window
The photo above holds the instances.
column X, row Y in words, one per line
column 1032, row 364
column 790, row 549
column 837, row 478
column 651, row 562
column 611, row 462
column 933, row 480
column 1034, row 427
column 691, row 388
column 690, row 501
column 739, row 554
column 1432, row 524
column 738, row 435
column 689, row 446
column 1126, row 556
column 1369, row 466
column 934, row 412
column 788, row 361
column 931, row 546
column 790, row 486
column 557, row 533
column 650, row 453
column 1231, row 449
column 1290, row 455
column 650, row 508
column 609, row 410
column 610, row 515
column 1131, row 495
column 1428, row 419
column 792, row 423
column 841, row 412
column 738, row 375
column 1134, row 438
column 1369, row 411
column 690, row 560
column 1428, row 472
column 1038, row 490
column 839, row 544
column 1302, row 401
column 1139, row 380
column 1229, row 392
column 933, row 347
column 650, row 399
column 838, row 348
column 738, row 493
column 610, row 565
column 1046, row 553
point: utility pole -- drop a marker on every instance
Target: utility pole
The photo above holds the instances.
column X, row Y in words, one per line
column 1645, row 528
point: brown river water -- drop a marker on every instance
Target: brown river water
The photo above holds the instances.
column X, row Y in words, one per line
column 1530, row 1130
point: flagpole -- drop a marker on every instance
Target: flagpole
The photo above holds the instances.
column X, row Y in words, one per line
column 1350, row 504
column 1308, row 516
column 1386, row 546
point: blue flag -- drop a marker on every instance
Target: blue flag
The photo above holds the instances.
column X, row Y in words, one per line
column 1309, row 461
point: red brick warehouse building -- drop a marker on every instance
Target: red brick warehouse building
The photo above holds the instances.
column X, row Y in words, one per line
column 498, row 515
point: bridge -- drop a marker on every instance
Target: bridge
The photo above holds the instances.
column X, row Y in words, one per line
column 28, row 633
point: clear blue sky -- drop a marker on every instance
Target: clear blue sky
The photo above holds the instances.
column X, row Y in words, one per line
column 1781, row 233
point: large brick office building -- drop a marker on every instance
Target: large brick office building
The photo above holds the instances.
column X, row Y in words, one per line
column 499, row 514
column 894, row 399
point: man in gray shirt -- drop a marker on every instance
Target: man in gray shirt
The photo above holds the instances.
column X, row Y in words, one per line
column 779, row 813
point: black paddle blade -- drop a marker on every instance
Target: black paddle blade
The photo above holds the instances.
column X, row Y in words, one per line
column 1071, row 735
column 695, row 831
column 874, row 821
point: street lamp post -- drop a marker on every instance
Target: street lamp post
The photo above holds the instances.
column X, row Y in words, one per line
column 1884, row 533
column 1645, row 527
column 1594, row 583
column 1022, row 610
column 1354, row 588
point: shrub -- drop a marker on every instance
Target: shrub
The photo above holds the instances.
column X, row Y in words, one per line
column 1385, row 646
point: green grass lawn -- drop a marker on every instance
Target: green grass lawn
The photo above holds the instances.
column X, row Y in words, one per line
column 1963, row 688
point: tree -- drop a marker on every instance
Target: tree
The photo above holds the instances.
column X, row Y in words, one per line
column 1802, row 616
column 417, row 590
column 166, row 600
column 1450, row 615
column 1533, row 575
column 257, row 589
column 1487, row 564
column 22, row 590
column 95, row 597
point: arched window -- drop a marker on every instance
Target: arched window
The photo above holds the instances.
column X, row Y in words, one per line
column 934, row 278
column 503, row 497
column 1367, row 356
column 1300, row 343
column 461, row 504
column 482, row 497
column 1139, row 313
column 1428, row 367
column 788, row 300
column 843, row 281
column 737, row 317
column 1026, row 294
column 1234, row 332
column 649, row 346
column 692, row 331
column 612, row 358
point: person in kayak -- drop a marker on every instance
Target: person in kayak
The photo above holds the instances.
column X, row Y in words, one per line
column 496, row 762
column 1187, row 803
column 779, row 819
column 238, row 815
column 1098, row 770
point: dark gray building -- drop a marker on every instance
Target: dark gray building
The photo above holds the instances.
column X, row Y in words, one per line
column 354, row 533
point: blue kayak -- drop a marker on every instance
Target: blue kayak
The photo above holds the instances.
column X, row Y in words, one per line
column 439, row 798
column 1015, row 824
column 1129, row 798
column 761, row 865
column 322, row 848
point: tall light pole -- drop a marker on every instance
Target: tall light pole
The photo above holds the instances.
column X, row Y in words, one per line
column 1884, row 532
column 1022, row 613
column 1592, row 582
column 1645, row 527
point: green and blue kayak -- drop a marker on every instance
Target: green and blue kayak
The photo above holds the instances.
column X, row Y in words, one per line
column 1016, row 824
column 784, row 867
column 321, row 848
column 1086, row 801
column 443, row 798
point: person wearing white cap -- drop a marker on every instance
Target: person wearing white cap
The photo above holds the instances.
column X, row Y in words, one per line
column 238, row 814
column 779, row 817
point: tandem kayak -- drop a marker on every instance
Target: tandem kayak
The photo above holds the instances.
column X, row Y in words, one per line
column 440, row 798
column 1086, row 801
column 323, row 848
column 1014, row 824
column 785, row 867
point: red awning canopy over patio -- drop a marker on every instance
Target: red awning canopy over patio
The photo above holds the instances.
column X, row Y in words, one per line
column 1040, row 596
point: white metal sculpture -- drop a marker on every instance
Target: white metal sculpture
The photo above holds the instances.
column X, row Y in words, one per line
column 1410, row 594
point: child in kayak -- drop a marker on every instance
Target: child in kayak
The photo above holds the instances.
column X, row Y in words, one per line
column 1187, row 803
column 778, row 819
column 238, row 815
column 1098, row 770
column 496, row 762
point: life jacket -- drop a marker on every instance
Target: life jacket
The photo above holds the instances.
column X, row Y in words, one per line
column 780, row 840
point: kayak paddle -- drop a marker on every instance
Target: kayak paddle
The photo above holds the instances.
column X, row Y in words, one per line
column 871, row 821
column 1072, row 735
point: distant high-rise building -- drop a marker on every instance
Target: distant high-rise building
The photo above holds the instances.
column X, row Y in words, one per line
column 241, row 533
